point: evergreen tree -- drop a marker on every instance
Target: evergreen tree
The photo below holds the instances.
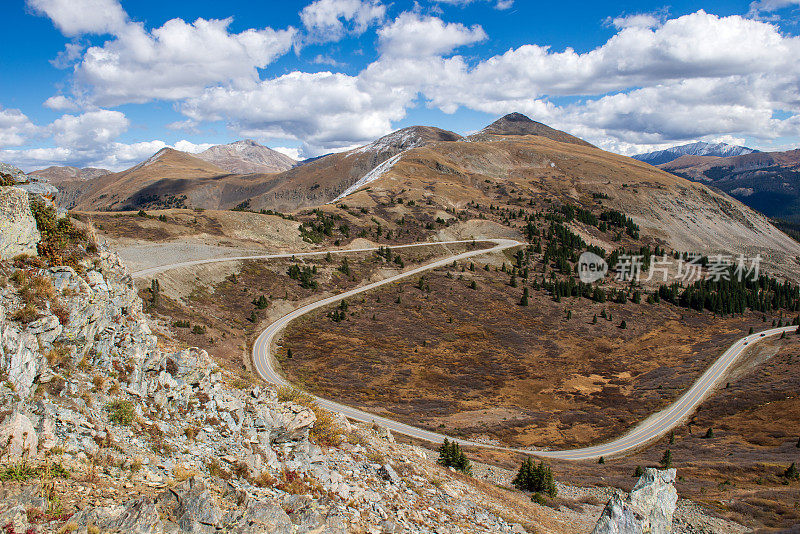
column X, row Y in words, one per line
column 666, row 459
column 639, row 471
column 524, row 300
column 513, row 281
column 623, row 324
column 594, row 319
column 601, row 461
column 345, row 267
column 533, row 477
column 288, row 354
column 709, row 433
column 473, row 285
column 672, row 437
column 792, row 472
column 451, row 455
column 751, row 331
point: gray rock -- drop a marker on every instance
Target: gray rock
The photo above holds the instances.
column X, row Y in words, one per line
column 193, row 505
column 18, row 231
column 647, row 509
column 18, row 437
column 260, row 517
column 388, row 473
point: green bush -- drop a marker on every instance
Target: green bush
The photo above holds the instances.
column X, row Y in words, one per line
column 121, row 412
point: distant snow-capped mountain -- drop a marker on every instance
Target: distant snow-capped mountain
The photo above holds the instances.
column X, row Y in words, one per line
column 700, row 148
column 247, row 157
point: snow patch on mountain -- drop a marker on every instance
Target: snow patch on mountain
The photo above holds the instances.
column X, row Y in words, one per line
column 700, row 148
column 371, row 176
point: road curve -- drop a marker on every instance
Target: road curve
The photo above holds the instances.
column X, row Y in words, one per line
column 161, row 268
column 645, row 432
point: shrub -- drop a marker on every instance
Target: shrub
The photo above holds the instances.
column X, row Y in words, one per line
column 181, row 324
column 325, row 430
column 792, row 472
column 198, row 329
column 58, row 356
column 121, row 412
column 26, row 314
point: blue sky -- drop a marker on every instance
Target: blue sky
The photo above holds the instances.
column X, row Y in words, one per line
column 107, row 83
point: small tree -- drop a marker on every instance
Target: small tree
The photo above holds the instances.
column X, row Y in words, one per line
column 751, row 331
column 524, row 300
column 451, row 455
column 594, row 319
column 666, row 459
column 672, row 437
column 345, row 267
column 623, row 324
column 288, row 354
column 709, row 433
column 538, row 478
column 601, row 460
column 639, row 471
column 473, row 285
column 792, row 472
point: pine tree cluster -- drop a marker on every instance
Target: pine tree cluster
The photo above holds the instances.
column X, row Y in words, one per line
column 451, row 455
column 533, row 477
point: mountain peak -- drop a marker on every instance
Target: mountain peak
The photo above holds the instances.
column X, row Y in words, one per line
column 246, row 156
column 698, row 148
column 519, row 124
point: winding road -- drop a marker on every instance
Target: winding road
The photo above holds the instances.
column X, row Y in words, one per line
column 649, row 430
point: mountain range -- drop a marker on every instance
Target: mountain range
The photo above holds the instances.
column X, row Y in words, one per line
column 699, row 148
column 766, row 181
column 510, row 157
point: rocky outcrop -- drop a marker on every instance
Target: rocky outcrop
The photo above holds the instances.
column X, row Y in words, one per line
column 18, row 232
column 18, row 438
column 648, row 509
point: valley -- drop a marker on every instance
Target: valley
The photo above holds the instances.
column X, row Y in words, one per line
column 507, row 348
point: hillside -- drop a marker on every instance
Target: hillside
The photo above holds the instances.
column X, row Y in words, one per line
column 700, row 148
column 766, row 181
column 246, row 157
column 519, row 124
column 670, row 210
column 56, row 175
column 168, row 178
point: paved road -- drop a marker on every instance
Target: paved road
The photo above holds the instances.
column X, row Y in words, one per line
column 647, row 431
column 161, row 268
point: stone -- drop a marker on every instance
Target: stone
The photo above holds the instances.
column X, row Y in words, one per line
column 19, row 357
column 193, row 505
column 18, row 231
column 647, row 509
column 260, row 517
column 388, row 473
column 18, row 438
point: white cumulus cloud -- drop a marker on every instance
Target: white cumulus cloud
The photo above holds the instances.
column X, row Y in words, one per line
column 177, row 60
column 330, row 20
column 412, row 35
column 15, row 127
column 78, row 17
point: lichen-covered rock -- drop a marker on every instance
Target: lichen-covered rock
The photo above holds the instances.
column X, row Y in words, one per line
column 648, row 509
column 18, row 231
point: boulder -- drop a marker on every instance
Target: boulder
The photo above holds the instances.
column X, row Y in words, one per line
column 18, row 438
column 20, row 358
column 647, row 509
column 18, row 231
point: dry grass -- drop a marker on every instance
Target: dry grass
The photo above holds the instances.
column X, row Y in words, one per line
column 326, row 430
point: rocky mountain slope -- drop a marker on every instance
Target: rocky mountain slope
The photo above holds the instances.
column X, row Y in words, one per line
column 519, row 124
column 766, row 181
column 247, row 157
column 700, row 148
column 670, row 210
column 56, row 175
